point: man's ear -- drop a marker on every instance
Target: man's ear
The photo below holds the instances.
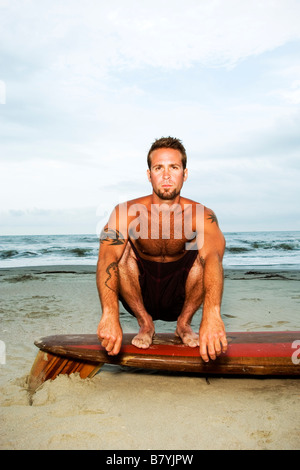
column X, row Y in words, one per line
column 185, row 174
column 149, row 175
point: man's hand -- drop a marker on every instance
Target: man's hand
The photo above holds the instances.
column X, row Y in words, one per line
column 110, row 336
column 212, row 338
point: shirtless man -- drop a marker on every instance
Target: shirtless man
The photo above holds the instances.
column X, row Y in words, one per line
column 162, row 271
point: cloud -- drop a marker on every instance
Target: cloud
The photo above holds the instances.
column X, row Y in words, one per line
column 89, row 86
column 215, row 33
column 70, row 59
column 94, row 37
column 291, row 94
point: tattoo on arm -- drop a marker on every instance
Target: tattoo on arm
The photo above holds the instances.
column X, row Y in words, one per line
column 213, row 218
column 109, row 236
column 114, row 267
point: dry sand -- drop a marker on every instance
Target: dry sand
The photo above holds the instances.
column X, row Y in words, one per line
column 130, row 409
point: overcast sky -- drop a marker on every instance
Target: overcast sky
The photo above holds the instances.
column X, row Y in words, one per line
column 86, row 86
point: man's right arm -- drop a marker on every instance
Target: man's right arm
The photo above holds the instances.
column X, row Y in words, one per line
column 112, row 245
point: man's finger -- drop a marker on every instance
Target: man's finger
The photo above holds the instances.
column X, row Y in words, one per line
column 103, row 342
column 116, row 348
column 218, row 348
column 224, row 343
column 211, row 349
column 203, row 351
column 108, row 342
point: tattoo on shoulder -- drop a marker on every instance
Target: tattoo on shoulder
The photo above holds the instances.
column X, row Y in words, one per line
column 110, row 236
column 213, row 218
column 111, row 268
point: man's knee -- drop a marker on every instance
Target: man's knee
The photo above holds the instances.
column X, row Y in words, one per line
column 196, row 270
column 128, row 269
column 128, row 258
column 122, row 260
column 194, row 282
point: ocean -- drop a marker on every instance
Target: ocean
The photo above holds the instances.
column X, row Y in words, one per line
column 243, row 249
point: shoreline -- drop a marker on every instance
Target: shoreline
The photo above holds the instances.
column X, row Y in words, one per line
column 290, row 272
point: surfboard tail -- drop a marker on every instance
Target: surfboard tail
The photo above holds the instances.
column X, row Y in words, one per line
column 48, row 366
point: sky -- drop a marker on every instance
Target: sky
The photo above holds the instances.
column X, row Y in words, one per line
column 87, row 86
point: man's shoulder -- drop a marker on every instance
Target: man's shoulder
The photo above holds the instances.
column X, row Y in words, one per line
column 210, row 216
column 206, row 210
column 139, row 201
column 131, row 202
column 146, row 200
column 186, row 201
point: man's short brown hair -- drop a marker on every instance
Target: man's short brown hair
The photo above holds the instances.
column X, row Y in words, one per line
column 169, row 143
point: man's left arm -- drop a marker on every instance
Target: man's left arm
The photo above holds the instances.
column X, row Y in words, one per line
column 212, row 335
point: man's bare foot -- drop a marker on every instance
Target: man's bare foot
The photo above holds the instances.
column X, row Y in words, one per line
column 187, row 335
column 144, row 338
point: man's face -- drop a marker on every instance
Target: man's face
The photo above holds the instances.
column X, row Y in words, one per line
column 167, row 174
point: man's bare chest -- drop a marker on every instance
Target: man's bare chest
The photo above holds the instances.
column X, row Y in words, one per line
column 160, row 248
column 162, row 234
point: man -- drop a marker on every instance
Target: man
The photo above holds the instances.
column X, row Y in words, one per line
column 161, row 256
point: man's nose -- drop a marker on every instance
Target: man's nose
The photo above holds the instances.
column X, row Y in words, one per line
column 166, row 174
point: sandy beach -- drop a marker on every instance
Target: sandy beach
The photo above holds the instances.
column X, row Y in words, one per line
column 135, row 409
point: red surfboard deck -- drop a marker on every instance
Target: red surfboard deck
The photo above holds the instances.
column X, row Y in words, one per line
column 249, row 353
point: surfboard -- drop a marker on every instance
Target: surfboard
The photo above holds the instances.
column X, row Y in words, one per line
column 248, row 353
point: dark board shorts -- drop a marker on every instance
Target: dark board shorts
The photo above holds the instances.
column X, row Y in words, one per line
column 163, row 285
